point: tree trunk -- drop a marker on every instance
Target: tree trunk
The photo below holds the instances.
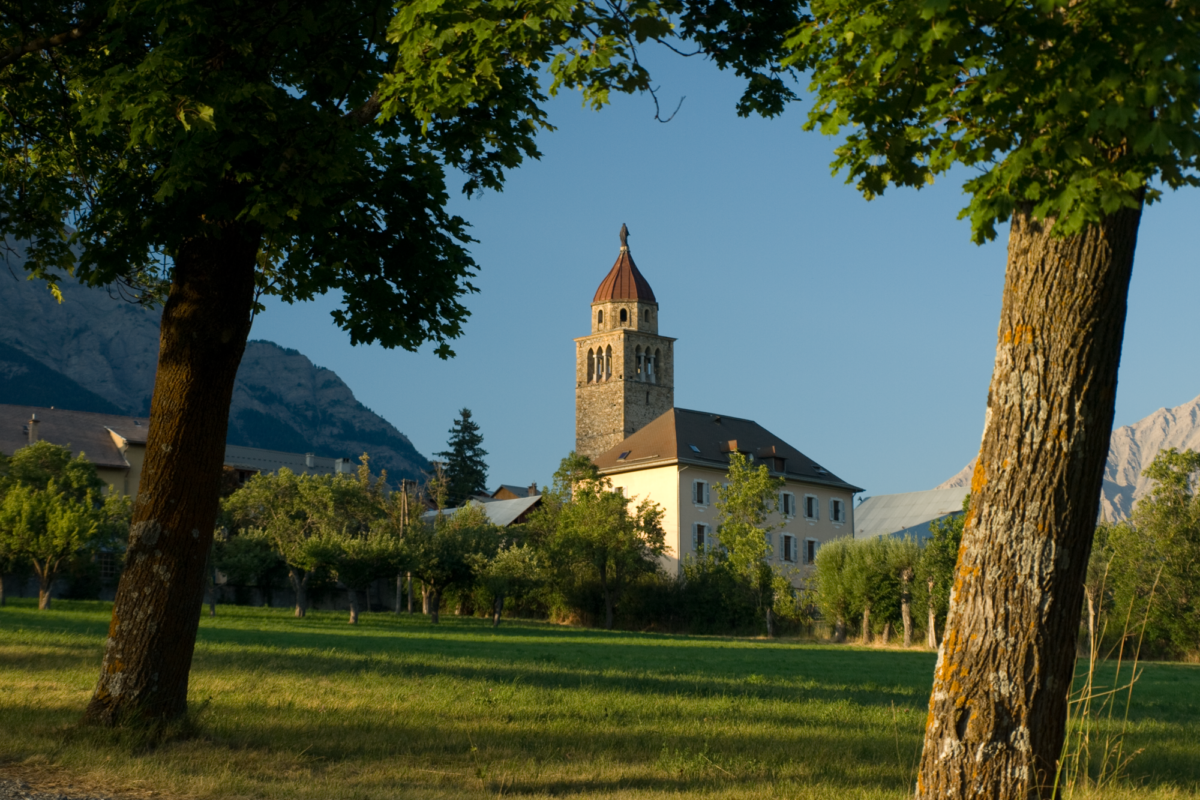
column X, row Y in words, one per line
column 497, row 610
column 424, row 598
column 299, row 587
column 839, row 630
column 887, row 633
column 399, row 592
column 353, row 593
column 205, row 323
column 931, row 624
column 998, row 709
column 770, row 623
column 434, row 599
column 906, row 614
column 410, row 602
column 866, row 630
column 45, row 585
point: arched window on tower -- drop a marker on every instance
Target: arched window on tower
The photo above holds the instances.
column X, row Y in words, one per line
column 640, row 362
column 646, row 315
column 651, row 366
column 624, row 315
column 608, row 362
column 600, row 317
column 591, row 366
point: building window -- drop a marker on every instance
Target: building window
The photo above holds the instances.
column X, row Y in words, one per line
column 812, row 507
column 787, row 504
column 624, row 315
column 789, row 547
column 600, row 317
column 608, row 362
column 836, row 511
column 810, row 551
column 699, row 537
column 640, row 361
column 700, row 493
column 591, row 366
column 108, row 566
column 646, row 315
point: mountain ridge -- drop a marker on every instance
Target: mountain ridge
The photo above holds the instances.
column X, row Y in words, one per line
column 101, row 352
column 1131, row 449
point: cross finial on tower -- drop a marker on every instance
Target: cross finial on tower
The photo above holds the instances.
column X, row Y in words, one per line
column 624, row 237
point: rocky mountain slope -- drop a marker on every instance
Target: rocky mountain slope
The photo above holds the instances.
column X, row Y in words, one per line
column 96, row 352
column 1131, row 450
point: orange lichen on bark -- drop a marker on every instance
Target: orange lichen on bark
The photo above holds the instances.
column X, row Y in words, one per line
column 1022, row 334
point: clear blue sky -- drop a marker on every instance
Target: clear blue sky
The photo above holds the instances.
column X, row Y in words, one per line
column 862, row 333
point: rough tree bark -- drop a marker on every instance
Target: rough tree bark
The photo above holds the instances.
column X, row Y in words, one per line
column 152, row 635
column 866, row 625
column 353, row 594
column 998, row 708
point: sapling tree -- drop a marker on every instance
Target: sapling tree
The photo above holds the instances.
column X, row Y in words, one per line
column 512, row 572
column 743, row 506
column 601, row 534
column 52, row 510
column 299, row 516
column 834, row 598
column 447, row 552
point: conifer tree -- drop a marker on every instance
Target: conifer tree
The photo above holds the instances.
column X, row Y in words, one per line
column 466, row 471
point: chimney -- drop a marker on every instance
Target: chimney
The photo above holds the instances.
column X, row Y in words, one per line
column 308, row 459
column 533, row 489
column 33, row 428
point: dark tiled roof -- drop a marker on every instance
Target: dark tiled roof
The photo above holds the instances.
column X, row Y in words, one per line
column 81, row 431
column 624, row 282
column 696, row 437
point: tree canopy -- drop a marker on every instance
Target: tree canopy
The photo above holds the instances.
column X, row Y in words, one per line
column 465, row 469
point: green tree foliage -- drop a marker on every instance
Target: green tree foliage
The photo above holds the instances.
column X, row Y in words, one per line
column 513, row 572
column 743, row 505
column 1153, row 573
column 869, row 579
column 300, row 517
column 465, row 469
column 935, row 573
column 250, row 561
column 52, row 509
column 449, row 552
column 834, row 596
column 599, row 535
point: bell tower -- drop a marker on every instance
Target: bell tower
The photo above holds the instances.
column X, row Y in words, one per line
column 624, row 371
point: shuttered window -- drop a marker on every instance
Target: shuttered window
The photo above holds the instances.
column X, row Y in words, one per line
column 700, row 493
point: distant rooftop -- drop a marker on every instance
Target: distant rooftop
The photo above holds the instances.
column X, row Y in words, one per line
column 905, row 515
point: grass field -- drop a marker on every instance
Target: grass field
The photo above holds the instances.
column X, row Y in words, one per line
column 397, row 707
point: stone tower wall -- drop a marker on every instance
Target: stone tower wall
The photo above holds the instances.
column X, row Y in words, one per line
column 609, row 409
column 637, row 313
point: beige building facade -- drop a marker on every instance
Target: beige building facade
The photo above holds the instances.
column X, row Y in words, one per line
column 627, row 423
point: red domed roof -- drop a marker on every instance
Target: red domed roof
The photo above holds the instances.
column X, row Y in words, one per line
column 624, row 282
